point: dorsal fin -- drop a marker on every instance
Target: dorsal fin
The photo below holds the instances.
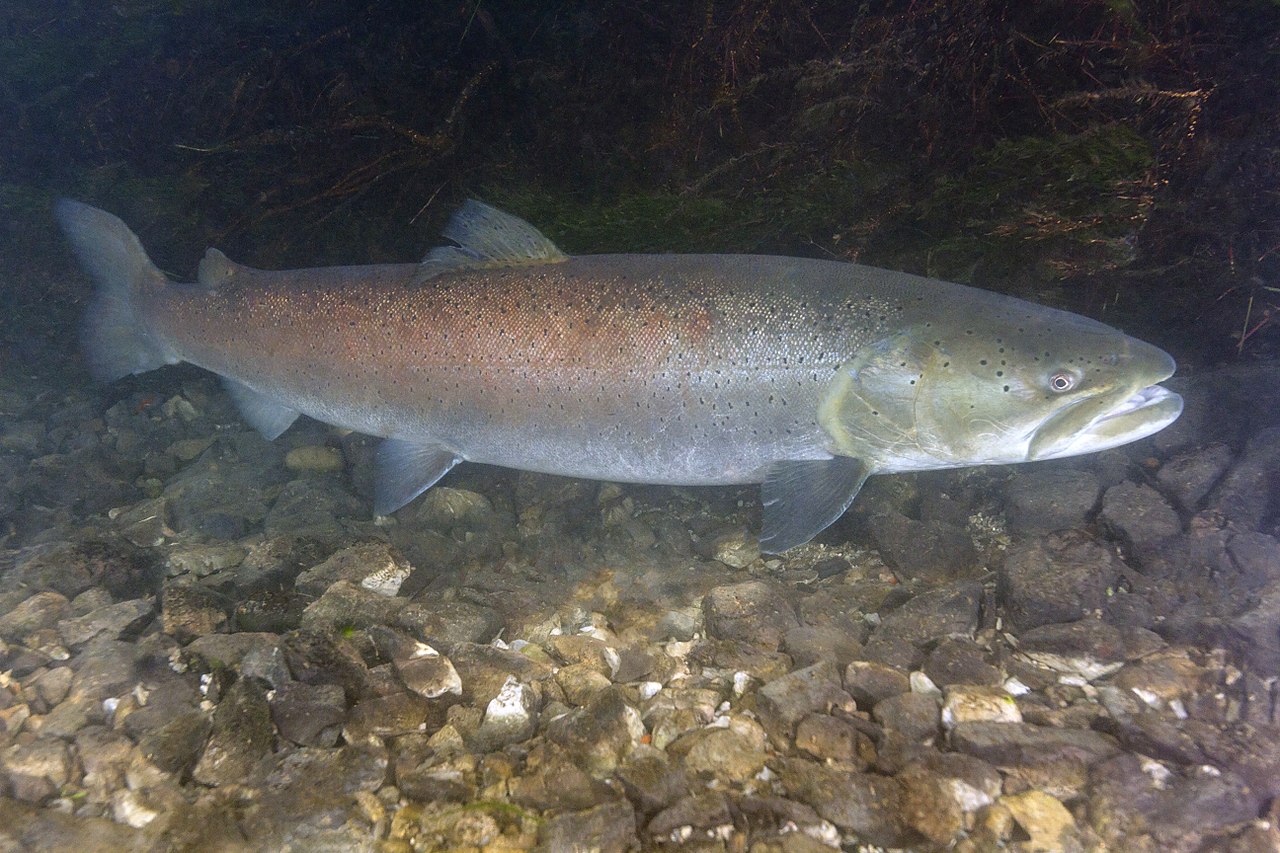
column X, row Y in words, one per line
column 216, row 269
column 487, row 238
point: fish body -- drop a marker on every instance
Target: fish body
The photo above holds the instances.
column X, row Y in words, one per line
column 804, row 375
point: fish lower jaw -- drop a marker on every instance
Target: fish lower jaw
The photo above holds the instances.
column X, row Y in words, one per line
column 1144, row 413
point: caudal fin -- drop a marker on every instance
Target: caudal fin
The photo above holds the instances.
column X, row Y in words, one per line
column 115, row 336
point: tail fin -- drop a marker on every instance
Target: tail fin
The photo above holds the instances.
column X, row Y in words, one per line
column 116, row 339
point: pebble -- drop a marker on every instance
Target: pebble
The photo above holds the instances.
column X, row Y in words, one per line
column 978, row 704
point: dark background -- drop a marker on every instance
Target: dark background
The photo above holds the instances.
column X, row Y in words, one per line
column 1114, row 157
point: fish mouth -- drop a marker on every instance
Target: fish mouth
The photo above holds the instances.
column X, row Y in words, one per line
column 1092, row 425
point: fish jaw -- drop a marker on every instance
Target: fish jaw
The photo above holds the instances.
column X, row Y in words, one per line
column 1137, row 416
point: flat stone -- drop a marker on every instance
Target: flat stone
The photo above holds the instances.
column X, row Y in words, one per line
column 835, row 740
column 1139, row 517
column 932, row 551
column 110, row 622
column 755, row 612
column 189, row 610
column 948, row 611
column 1044, row 498
column 607, row 828
column 309, row 714
column 732, row 754
column 600, row 735
column 1058, row 577
column 785, row 701
column 354, row 564
column 242, row 733
column 37, row 771
column 869, row 682
column 42, row 610
column 967, row 703
column 347, row 605
column 864, row 804
column 1189, row 476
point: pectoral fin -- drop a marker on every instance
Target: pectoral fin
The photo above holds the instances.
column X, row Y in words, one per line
column 802, row 498
column 406, row 470
column 263, row 413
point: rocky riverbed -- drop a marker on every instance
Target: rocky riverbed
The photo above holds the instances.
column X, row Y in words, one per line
column 207, row 643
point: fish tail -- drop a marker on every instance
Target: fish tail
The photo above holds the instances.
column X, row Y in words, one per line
column 115, row 335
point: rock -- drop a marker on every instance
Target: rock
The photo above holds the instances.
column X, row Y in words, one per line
column 444, row 623
column 356, row 564
column 428, row 673
column 606, row 828
column 809, row 644
column 201, row 560
column 1055, row 760
column 444, row 507
column 28, row 827
column 701, row 813
column 960, row 661
column 580, row 683
column 1045, row 820
column 309, row 714
column 345, row 606
column 978, row 704
column 449, row 779
column 123, row 569
column 310, row 507
column 1189, row 476
column 950, row 610
column 1252, row 752
column 242, row 733
column 388, row 716
column 37, row 771
column 176, row 746
column 314, row 459
column 484, row 670
column 316, row 658
column 650, row 781
column 785, row 701
column 599, row 735
column 732, row 754
column 42, row 610
column 509, row 717
column 928, row 805
column 105, row 669
column 864, row 804
column 1044, row 498
column 553, row 781
column 110, row 622
column 1056, row 578
column 1087, row 648
column 189, row 610
column 1244, row 495
column 104, row 755
column 1139, row 517
column 913, row 715
column 754, row 612
column 932, row 551
column 1254, row 635
column 869, row 682
column 1136, row 801
column 835, row 740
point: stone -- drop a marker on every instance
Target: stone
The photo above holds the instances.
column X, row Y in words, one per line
column 111, row 622
column 785, row 701
column 308, row 714
column 42, row 610
column 314, row 459
column 960, row 661
column 1087, row 648
column 37, row 771
column 552, row 780
column 755, row 612
column 835, row 740
column 600, row 735
column 345, row 605
column 913, row 715
column 241, row 734
column 966, row 703
column 869, row 682
column 388, row 716
column 444, row 623
column 1189, row 476
column 1139, row 517
column 509, row 717
column 951, row 610
column 1044, row 498
column 606, row 828
column 732, row 753
column 1009, row 744
column 176, row 746
column 449, row 779
column 932, row 551
column 864, row 804
column 27, row 827
column 189, row 610
column 650, row 781
column 1244, row 496
column 809, row 644
column 701, row 813
column 1058, row 577
column 928, row 805
column 484, row 670
column 1045, row 820
column 354, row 564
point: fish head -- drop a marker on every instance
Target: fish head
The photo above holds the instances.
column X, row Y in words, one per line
column 1014, row 382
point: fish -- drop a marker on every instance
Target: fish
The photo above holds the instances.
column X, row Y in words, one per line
column 806, row 376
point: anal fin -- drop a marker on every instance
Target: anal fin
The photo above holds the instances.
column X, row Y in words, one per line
column 801, row 498
column 263, row 413
column 406, row 470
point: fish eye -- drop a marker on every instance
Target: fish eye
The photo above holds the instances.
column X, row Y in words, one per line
column 1062, row 381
